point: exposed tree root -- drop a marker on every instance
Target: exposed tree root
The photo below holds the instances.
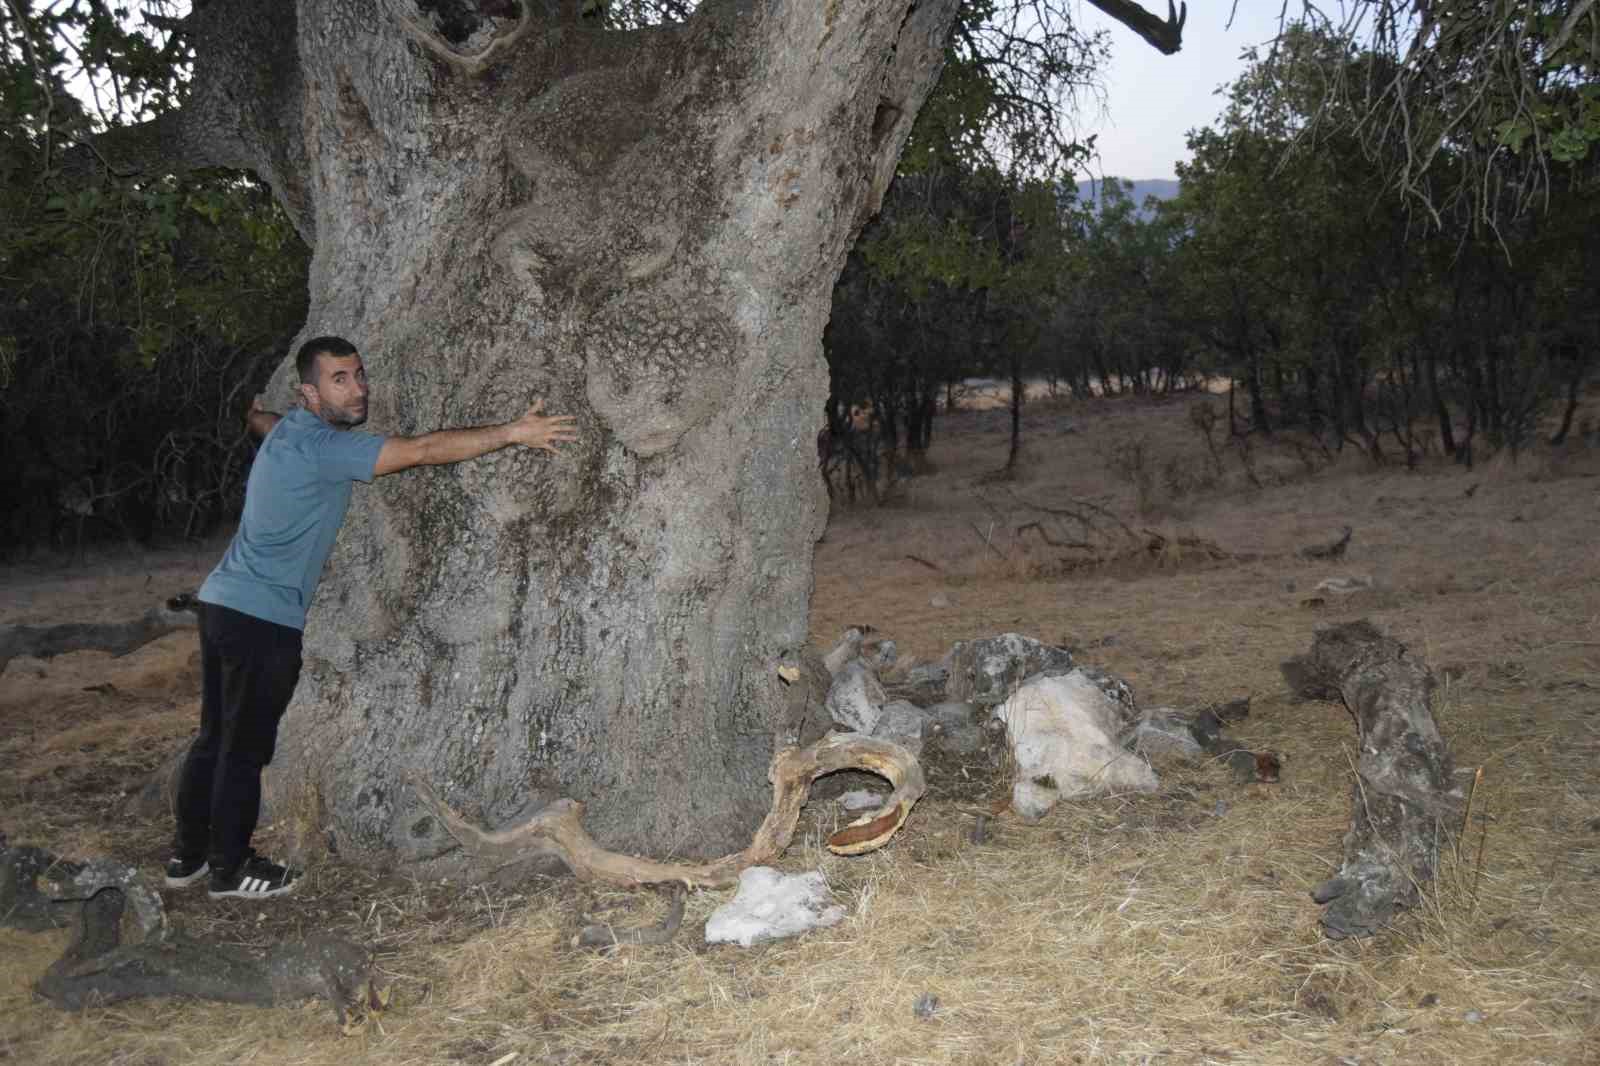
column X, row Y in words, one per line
column 558, row 829
column 1406, row 801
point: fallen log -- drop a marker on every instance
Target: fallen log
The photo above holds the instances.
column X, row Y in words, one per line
column 98, row 969
column 117, row 638
column 557, row 830
column 1406, row 802
column 123, row 947
column 40, row 891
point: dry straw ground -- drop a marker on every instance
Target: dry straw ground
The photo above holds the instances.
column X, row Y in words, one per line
column 1170, row 928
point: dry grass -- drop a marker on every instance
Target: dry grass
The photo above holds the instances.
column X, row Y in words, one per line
column 1173, row 927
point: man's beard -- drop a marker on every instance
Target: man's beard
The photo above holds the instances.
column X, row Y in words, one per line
column 342, row 417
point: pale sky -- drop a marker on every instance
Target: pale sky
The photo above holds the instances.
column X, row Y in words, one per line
column 1152, row 100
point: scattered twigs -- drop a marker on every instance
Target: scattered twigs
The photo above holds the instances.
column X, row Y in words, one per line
column 1044, row 535
column 924, row 562
column 1483, row 839
column 603, row 935
column 557, row 830
column 987, row 538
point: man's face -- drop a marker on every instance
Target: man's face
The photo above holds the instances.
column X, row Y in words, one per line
column 339, row 394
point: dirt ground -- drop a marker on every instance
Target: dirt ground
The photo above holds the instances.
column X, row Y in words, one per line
column 1165, row 928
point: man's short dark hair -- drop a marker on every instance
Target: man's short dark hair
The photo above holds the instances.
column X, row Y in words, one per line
column 306, row 361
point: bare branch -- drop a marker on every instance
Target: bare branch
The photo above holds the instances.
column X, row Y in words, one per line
column 1165, row 37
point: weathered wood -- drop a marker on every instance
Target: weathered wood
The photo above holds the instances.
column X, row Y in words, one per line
column 98, row 969
column 558, row 831
column 1406, row 802
column 40, row 891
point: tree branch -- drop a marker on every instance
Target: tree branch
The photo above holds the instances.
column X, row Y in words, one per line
column 1165, row 37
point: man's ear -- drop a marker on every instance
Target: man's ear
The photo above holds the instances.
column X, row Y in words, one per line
column 309, row 397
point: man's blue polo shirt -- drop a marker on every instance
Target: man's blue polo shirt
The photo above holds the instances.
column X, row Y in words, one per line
column 294, row 503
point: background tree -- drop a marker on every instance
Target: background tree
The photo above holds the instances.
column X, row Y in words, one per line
column 139, row 311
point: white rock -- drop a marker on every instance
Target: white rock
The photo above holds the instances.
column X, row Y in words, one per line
column 1345, row 584
column 855, row 699
column 771, row 906
column 1064, row 732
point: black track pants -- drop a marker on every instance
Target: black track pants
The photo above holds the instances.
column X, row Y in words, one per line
column 249, row 668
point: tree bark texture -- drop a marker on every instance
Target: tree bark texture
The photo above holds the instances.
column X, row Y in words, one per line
column 1405, row 802
column 643, row 228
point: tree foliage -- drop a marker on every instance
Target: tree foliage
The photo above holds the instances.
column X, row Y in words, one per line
column 140, row 313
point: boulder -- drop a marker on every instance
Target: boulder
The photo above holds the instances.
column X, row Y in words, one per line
column 988, row 671
column 1066, row 733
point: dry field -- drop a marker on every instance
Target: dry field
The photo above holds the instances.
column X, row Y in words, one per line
column 1168, row 928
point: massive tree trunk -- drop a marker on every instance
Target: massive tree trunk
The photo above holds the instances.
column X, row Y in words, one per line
column 643, row 228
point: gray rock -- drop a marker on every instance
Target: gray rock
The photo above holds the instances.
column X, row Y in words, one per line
column 856, row 698
column 954, row 727
column 885, row 655
column 904, row 723
column 988, row 671
column 1165, row 731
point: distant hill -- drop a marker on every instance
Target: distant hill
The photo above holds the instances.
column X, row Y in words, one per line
column 1161, row 189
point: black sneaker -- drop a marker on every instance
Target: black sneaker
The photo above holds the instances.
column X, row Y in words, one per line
column 182, row 872
column 256, row 878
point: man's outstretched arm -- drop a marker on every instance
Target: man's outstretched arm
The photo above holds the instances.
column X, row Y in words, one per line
column 532, row 430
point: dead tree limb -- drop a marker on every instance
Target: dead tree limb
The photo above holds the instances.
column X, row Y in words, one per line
column 102, row 900
column 1406, row 802
column 97, row 968
column 118, row 638
column 40, row 891
column 558, row 831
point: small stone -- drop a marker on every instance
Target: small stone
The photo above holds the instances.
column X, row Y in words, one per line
column 939, row 600
column 1473, row 1017
column 926, row 1005
column 1220, row 809
column 1429, row 1000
